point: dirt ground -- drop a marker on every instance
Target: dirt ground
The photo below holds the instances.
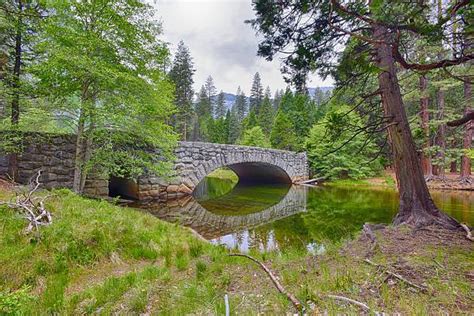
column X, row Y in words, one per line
column 451, row 182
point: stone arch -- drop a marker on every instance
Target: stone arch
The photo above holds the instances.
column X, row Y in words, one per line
column 259, row 167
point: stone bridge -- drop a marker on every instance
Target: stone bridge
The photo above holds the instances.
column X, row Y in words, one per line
column 54, row 155
column 195, row 160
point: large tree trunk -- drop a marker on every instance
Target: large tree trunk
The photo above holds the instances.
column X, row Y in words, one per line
column 416, row 206
column 15, row 85
column 465, row 160
column 441, row 137
column 425, row 118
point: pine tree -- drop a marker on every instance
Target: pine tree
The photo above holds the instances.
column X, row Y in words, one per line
column 203, row 106
column 240, row 104
column 256, row 93
column 220, row 110
column 210, row 92
column 277, row 100
column 250, row 121
column 181, row 74
column 265, row 117
column 234, row 125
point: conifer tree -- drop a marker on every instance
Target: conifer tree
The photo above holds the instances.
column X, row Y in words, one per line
column 220, row 110
column 256, row 93
column 234, row 125
column 240, row 104
column 283, row 134
column 211, row 93
column 203, row 106
column 181, row 74
column 265, row 116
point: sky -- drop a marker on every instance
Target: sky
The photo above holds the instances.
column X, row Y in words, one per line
column 221, row 44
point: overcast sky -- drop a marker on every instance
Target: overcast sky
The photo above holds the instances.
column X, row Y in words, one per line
column 221, row 44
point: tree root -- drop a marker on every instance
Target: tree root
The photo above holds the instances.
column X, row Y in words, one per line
column 468, row 232
column 296, row 303
column 465, row 180
column 398, row 276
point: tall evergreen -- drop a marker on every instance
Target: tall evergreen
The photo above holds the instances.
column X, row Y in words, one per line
column 256, row 93
column 181, row 74
column 203, row 105
column 240, row 104
column 211, row 92
column 283, row 134
column 220, row 110
column 234, row 125
column 265, row 116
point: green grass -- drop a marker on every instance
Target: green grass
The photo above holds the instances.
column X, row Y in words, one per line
column 224, row 173
column 97, row 258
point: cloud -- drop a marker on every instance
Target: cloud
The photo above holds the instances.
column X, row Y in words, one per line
column 221, row 44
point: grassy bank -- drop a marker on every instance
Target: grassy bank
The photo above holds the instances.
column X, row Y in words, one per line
column 101, row 258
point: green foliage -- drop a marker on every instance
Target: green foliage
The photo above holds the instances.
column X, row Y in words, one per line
column 283, row 135
column 255, row 137
column 102, row 72
column 265, row 116
column 14, row 302
column 334, row 150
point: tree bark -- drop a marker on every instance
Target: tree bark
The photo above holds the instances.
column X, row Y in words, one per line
column 15, row 85
column 467, row 140
column 425, row 117
column 441, row 137
column 416, row 205
column 83, row 141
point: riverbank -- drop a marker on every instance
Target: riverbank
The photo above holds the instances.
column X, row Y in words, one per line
column 388, row 180
column 100, row 258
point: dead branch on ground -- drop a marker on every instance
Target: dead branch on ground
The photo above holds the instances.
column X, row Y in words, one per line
column 349, row 300
column 468, row 232
column 31, row 207
column 398, row 276
column 296, row 303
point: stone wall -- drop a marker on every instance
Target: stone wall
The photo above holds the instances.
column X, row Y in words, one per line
column 54, row 156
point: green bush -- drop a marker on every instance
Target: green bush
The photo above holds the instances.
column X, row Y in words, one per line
column 335, row 150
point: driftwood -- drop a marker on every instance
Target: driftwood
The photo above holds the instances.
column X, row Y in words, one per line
column 296, row 303
column 227, row 305
column 32, row 207
column 468, row 232
column 312, row 181
column 349, row 300
column 398, row 276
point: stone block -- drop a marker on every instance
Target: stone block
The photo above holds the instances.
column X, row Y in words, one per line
column 184, row 189
column 172, row 188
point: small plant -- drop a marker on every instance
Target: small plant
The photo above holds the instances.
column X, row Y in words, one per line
column 12, row 303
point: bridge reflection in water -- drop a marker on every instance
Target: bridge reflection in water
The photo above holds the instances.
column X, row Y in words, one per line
column 227, row 219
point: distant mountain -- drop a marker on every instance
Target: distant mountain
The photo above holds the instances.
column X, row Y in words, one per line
column 311, row 91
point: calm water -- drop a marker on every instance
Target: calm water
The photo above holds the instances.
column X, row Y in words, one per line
column 267, row 218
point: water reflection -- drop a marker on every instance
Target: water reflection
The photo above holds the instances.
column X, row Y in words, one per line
column 266, row 218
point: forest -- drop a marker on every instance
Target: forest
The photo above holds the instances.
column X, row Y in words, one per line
column 102, row 73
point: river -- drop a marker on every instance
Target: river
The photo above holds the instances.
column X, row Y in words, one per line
column 280, row 217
